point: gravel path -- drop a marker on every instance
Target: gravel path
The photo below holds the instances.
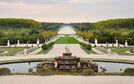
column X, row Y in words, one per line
column 106, row 56
column 76, row 50
column 22, row 79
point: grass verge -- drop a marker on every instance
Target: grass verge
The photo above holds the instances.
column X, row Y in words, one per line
column 11, row 51
column 67, row 40
column 122, row 51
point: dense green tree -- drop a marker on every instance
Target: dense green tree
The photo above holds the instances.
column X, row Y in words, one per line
column 108, row 31
column 25, row 30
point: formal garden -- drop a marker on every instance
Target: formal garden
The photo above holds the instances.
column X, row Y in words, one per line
column 90, row 39
column 118, row 33
column 66, row 41
column 107, row 31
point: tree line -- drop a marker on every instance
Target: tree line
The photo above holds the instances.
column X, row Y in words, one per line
column 109, row 31
column 25, row 30
column 18, row 23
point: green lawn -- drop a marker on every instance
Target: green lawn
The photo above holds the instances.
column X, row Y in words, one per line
column 121, row 51
column 11, row 51
column 44, row 51
column 67, row 40
column 88, row 51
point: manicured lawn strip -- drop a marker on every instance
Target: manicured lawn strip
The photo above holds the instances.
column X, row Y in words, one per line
column 66, row 40
column 61, row 40
column 122, row 51
column 88, row 51
column 45, row 51
column 11, row 51
column 124, row 54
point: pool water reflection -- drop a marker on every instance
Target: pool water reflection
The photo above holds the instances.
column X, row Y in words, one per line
column 23, row 67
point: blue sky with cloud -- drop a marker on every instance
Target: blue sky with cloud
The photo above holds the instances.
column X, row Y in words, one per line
column 67, row 10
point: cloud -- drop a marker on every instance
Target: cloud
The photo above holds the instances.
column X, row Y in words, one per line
column 35, row 1
column 85, row 1
column 82, row 1
column 36, row 11
column 66, row 10
column 50, row 1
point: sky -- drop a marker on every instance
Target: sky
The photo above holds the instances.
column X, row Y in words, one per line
column 67, row 10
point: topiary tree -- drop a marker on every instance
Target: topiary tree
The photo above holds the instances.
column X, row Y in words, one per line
column 44, row 47
column 87, row 72
column 5, row 71
column 129, row 71
column 50, row 44
column 47, row 46
column 87, row 46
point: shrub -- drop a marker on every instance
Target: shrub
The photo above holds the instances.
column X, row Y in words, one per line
column 5, row 71
column 45, row 71
column 129, row 71
column 44, row 47
column 87, row 46
column 47, row 46
column 50, row 44
column 87, row 72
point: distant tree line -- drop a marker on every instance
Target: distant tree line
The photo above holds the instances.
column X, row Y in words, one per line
column 51, row 26
column 25, row 30
column 18, row 23
column 116, row 23
column 109, row 31
column 83, row 26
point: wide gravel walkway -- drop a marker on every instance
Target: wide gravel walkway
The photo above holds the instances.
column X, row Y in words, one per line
column 59, row 49
column 22, row 79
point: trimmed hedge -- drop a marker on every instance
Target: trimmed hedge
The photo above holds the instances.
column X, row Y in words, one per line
column 47, row 46
column 129, row 71
column 87, row 72
column 87, row 46
column 45, row 71
column 5, row 71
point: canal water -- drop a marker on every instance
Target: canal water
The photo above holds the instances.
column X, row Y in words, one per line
column 23, row 67
column 67, row 30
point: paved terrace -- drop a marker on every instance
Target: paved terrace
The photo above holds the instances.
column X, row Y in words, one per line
column 23, row 79
column 109, row 56
column 60, row 48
